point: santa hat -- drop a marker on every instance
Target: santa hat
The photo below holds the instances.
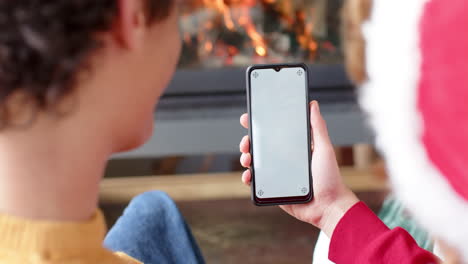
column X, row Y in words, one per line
column 417, row 100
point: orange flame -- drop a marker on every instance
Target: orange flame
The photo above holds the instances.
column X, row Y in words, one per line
column 260, row 51
column 243, row 20
column 236, row 15
column 224, row 9
column 257, row 39
column 208, row 46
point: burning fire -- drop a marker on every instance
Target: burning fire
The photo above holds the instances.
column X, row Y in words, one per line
column 240, row 18
column 222, row 8
column 257, row 39
column 208, row 46
column 234, row 19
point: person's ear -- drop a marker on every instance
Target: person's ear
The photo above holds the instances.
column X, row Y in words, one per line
column 130, row 24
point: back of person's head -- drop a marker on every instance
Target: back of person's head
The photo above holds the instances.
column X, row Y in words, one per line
column 125, row 50
column 410, row 59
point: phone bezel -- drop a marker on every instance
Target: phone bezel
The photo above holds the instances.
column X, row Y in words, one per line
column 280, row 200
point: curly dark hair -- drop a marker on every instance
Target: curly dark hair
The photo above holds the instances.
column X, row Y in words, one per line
column 44, row 43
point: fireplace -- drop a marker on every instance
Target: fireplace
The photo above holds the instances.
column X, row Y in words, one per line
column 238, row 33
column 199, row 111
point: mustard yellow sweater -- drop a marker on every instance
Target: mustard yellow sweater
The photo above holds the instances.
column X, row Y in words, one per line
column 41, row 242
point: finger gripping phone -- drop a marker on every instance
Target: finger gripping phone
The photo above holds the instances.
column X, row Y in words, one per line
column 279, row 131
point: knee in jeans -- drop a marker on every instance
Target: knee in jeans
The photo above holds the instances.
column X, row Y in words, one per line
column 153, row 203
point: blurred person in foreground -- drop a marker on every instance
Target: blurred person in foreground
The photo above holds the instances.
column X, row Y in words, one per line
column 410, row 59
column 79, row 81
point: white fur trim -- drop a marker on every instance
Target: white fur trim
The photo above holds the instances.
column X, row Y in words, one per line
column 321, row 250
column 390, row 98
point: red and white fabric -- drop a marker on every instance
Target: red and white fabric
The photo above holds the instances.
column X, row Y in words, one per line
column 417, row 102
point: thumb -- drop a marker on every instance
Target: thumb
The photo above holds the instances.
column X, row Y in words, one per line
column 319, row 127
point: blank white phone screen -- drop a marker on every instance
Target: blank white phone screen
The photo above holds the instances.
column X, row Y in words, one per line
column 278, row 108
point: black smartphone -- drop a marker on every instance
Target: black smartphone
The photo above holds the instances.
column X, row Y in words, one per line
column 279, row 131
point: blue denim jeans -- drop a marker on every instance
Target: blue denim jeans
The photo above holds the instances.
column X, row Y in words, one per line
column 152, row 230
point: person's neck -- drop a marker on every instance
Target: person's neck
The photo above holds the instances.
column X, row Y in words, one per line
column 50, row 176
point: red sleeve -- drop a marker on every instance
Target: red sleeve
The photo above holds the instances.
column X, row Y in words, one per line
column 361, row 238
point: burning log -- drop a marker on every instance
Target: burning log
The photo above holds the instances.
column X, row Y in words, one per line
column 242, row 32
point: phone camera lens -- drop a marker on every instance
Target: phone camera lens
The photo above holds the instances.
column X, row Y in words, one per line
column 277, row 69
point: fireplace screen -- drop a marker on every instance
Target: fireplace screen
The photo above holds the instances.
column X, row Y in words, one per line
column 224, row 33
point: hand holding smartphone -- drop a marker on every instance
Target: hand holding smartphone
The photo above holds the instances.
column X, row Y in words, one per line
column 331, row 197
column 281, row 155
